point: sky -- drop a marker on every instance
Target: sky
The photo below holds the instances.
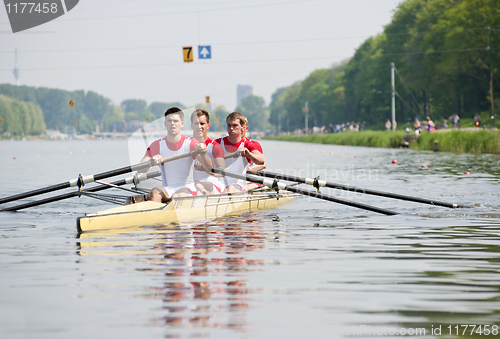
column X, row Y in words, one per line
column 133, row 49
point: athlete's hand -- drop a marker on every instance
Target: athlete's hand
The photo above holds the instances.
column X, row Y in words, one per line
column 198, row 166
column 202, row 148
column 158, row 159
column 243, row 152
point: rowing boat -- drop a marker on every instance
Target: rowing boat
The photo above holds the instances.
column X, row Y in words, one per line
column 182, row 210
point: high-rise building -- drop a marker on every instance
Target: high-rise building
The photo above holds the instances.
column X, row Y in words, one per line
column 243, row 91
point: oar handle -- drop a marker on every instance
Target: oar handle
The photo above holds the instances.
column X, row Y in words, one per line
column 321, row 183
column 232, row 155
column 281, row 186
column 180, row 156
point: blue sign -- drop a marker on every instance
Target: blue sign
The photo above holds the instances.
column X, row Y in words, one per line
column 204, row 52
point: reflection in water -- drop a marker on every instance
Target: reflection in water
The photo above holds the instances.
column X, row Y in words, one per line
column 204, row 269
column 387, row 275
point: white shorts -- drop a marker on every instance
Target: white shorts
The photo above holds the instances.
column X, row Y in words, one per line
column 190, row 187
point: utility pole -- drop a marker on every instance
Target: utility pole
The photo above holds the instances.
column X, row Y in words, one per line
column 306, row 110
column 393, row 99
column 279, row 123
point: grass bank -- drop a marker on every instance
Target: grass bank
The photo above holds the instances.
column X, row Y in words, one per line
column 365, row 138
column 480, row 141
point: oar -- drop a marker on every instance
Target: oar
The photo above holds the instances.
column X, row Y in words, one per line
column 281, row 186
column 321, row 183
column 232, row 155
column 82, row 180
column 125, row 181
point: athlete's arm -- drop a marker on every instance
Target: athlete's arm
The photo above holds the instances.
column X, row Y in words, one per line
column 152, row 153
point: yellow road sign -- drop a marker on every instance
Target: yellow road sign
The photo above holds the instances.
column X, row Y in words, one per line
column 207, row 99
column 72, row 103
column 188, row 54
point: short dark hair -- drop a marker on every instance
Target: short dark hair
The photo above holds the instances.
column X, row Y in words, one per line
column 174, row 110
column 199, row 113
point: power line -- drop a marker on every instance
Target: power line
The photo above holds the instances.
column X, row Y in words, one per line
column 400, row 98
column 249, row 43
column 408, row 89
column 178, row 46
column 443, row 51
column 173, row 63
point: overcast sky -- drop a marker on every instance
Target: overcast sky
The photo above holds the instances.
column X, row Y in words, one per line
column 132, row 49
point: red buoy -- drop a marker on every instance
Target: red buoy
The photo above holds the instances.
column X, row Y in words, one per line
column 371, row 159
column 466, row 173
column 394, row 161
column 424, row 166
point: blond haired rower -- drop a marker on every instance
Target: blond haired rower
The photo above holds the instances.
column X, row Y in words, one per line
column 206, row 182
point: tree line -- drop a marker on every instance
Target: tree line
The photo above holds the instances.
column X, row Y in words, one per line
column 447, row 57
column 31, row 110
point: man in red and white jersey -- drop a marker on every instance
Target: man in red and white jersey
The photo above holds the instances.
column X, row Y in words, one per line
column 175, row 174
column 206, row 182
column 248, row 151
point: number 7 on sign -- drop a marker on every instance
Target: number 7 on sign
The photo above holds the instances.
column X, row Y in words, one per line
column 188, row 54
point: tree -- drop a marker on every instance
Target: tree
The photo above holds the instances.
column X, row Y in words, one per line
column 254, row 109
column 20, row 117
column 218, row 118
column 133, row 105
column 159, row 108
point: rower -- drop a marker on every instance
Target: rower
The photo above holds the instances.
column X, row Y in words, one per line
column 205, row 181
column 175, row 174
column 248, row 151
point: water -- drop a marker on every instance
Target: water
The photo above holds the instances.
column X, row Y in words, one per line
column 308, row 269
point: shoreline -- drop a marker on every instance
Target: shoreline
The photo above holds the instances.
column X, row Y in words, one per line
column 459, row 141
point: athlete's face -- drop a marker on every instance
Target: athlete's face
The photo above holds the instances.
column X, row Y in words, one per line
column 200, row 127
column 174, row 124
column 234, row 129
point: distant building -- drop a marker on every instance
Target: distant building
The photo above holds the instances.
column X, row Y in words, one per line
column 243, row 91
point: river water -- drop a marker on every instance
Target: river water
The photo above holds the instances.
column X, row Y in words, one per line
column 310, row 268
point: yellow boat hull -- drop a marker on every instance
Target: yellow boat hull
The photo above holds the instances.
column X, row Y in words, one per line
column 181, row 210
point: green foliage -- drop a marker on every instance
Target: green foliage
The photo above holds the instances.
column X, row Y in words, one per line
column 20, row 117
column 133, row 105
column 255, row 110
column 480, row 141
column 218, row 118
column 89, row 107
column 158, row 108
column 440, row 50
